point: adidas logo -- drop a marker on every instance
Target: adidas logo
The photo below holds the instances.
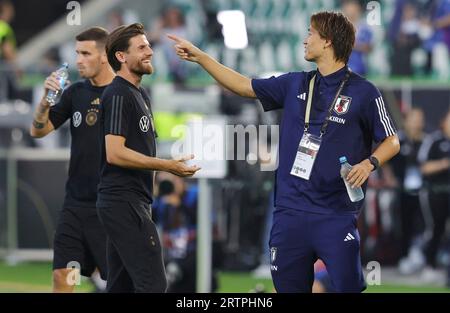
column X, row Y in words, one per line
column 96, row 101
column 349, row 237
column 302, row 96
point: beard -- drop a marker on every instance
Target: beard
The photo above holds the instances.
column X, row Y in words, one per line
column 140, row 68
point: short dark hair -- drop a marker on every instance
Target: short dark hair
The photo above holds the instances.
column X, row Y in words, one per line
column 337, row 28
column 119, row 40
column 97, row 34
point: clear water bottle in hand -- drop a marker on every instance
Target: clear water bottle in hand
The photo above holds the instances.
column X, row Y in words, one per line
column 61, row 75
column 355, row 194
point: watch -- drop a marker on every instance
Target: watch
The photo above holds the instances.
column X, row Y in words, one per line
column 374, row 161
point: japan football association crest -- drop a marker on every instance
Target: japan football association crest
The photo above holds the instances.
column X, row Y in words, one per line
column 342, row 104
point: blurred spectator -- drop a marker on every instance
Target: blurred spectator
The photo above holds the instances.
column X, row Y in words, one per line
column 409, row 182
column 441, row 20
column 170, row 22
column 7, row 37
column 403, row 34
column 49, row 61
column 114, row 19
column 175, row 213
column 120, row 16
column 8, row 66
column 213, row 29
column 434, row 155
column 429, row 35
column 378, row 230
column 363, row 41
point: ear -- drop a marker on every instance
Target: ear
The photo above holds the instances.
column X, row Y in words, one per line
column 121, row 57
column 327, row 44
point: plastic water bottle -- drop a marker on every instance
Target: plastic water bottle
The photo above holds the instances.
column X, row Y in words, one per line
column 355, row 194
column 61, row 75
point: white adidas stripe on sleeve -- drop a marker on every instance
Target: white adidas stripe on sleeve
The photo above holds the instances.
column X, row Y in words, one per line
column 384, row 118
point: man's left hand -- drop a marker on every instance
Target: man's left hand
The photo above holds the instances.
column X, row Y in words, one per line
column 359, row 173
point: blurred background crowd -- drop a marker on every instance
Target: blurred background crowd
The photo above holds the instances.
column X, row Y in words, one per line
column 401, row 45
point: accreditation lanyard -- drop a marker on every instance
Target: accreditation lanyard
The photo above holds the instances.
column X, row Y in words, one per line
column 310, row 144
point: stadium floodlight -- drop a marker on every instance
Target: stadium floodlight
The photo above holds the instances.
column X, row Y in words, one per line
column 234, row 29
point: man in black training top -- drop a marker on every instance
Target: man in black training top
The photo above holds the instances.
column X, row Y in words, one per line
column 128, row 163
column 79, row 235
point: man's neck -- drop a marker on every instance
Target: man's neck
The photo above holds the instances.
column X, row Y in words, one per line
column 327, row 67
column 105, row 77
column 131, row 77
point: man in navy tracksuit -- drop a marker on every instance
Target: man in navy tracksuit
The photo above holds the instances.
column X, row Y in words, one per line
column 314, row 217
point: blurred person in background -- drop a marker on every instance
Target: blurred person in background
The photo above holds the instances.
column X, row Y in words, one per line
column 49, row 61
column 434, row 157
column 364, row 37
column 171, row 21
column 314, row 215
column 7, row 37
column 403, row 34
column 175, row 211
column 115, row 19
column 441, row 20
column 407, row 172
column 8, row 67
column 120, row 16
column 431, row 11
column 79, row 235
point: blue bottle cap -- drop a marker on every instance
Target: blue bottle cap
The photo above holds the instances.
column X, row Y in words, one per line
column 343, row 159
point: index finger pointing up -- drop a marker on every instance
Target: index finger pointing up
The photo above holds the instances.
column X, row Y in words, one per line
column 174, row 38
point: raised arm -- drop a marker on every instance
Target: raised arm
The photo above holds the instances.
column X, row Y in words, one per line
column 225, row 76
column 41, row 125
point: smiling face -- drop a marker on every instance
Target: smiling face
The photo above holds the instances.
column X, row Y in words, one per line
column 138, row 57
column 89, row 58
column 314, row 45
